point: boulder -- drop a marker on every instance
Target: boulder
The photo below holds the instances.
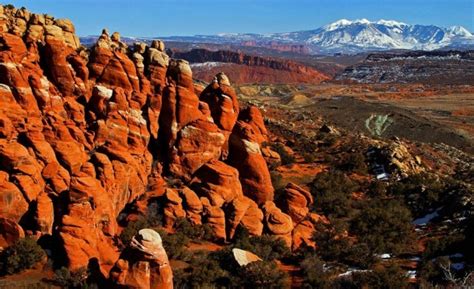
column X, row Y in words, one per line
column 144, row 264
column 295, row 202
column 10, row 232
column 218, row 182
column 278, row 223
column 243, row 257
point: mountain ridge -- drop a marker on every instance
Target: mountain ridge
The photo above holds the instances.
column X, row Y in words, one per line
column 349, row 36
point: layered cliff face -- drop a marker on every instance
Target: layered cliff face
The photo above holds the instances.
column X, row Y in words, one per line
column 243, row 68
column 86, row 133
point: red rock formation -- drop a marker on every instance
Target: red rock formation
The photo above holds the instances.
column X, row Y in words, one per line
column 95, row 132
column 246, row 156
column 278, row 223
column 295, row 202
column 242, row 68
column 144, row 264
column 223, row 104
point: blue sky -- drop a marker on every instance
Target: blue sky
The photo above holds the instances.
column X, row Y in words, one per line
column 189, row 17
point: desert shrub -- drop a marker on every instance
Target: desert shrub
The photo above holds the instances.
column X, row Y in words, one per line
column 277, row 180
column 266, row 247
column 377, row 189
column 443, row 245
column 384, row 225
column 309, row 157
column 23, row 254
column 203, row 272
column 261, row 274
column 332, row 193
column 421, row 192
column 314, row 274
column 131, row 230
column 73, row 280
column 193, row 232
column 354, row 162
column 286, row 158
column 334, row 247
column 381, row 278
column 9, row 7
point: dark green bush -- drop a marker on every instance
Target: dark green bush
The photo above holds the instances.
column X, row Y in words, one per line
column 193, row 232
column 23, row 254
column 266, row 247
column 332, row 193
column 73, row 280
column 314, row 274
column 354, row 162
column 286, row 158
column 385, row 226
column 261, row 274
column 421, row 192
column 203, row 272
column 382, row 278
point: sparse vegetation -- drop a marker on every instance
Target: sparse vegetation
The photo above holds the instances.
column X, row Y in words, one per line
column 332, row 191
column 23, row 254
column 266, row 247
column 71, row 280
column 286, row 157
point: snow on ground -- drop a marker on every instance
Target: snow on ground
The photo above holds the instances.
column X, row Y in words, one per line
column 411, row 274
column 350, row 271
column 427, row 218
column 457, row 266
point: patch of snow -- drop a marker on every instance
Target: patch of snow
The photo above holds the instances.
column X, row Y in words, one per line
column 411, row 274
column 350, row 271
column 385, row 256
column 427, row 218
column 457, row 266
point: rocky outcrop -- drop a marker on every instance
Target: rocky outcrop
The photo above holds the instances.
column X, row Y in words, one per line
column 144, row 264
column 88, row 138
column 224, row 106
column 278, row 223
column 245, row 154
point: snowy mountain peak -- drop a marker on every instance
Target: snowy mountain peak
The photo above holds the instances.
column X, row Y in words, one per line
column 391, row 23
column 459, row 31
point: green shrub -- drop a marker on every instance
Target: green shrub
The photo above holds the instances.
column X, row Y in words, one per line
column 309, row 157
column 266, row 247
column 384, row 225
column 193, row 232
column 131, row 230
column 73, row 280
column 277, row 180
column 383, row 278
column 421, row 192
column 202, row 272
column 332, row 193
column 23, row 254
column 261, row 274
column 314, row 274
column 286, row 158
column 354, row 162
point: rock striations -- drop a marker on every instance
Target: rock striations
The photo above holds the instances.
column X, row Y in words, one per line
column 85, row 134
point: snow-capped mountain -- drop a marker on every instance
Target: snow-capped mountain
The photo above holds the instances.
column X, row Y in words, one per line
column 355, row 36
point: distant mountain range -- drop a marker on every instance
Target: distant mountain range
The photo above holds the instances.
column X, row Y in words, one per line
column 345, row 36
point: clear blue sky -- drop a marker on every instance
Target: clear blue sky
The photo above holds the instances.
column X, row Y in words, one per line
column 189, row 17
